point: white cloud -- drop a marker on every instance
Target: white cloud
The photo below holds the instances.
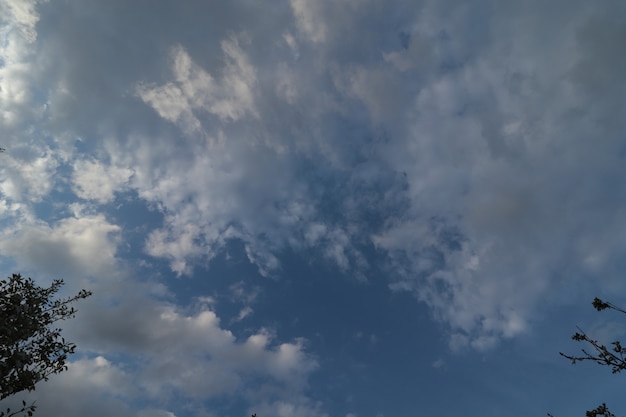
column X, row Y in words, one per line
column 94, row 181
column 18, row 106
column 101, row 374
column 76, row 246
column 90, row 386
column 23, row 15
column 173, row 353
column 195, row 90
column 243, row 313
column 28, row 177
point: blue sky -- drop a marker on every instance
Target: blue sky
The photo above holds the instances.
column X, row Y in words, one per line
column 297, row 208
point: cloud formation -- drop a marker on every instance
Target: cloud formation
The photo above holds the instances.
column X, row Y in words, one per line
column 472, row 153
column 468, row 129
column 482, row 146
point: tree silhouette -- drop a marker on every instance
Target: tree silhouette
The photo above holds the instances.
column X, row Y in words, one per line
column 612, row 356
column 31, row 348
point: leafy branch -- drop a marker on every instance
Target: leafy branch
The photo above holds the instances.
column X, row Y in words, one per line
column 28, row 409
column 31, row 347
column 612, row 356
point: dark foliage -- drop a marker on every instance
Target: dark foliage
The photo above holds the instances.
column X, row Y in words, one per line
column 601, row 410
column 28, row 409
column 31, row 347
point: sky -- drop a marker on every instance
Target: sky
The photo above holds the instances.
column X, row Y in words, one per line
column 330, row 208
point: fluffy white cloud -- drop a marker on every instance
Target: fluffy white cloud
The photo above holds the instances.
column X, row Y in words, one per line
column 95, row 181
column 28, row 175
column 195, row 90
column 23, row 15
column 175, row 354
column 75, row 246
column 90, row 386
column 17, row 33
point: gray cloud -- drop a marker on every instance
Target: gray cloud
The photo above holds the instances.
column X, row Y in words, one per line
column 188, row 355
column 74, row 246
column 480, row 153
